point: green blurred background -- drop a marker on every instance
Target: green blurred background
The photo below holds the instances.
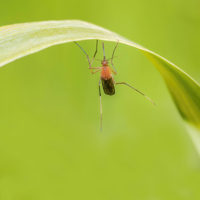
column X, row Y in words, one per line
column 51, row 146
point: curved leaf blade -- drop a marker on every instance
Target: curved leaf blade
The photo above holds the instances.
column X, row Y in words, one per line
column 20, row 40
column 184, row 90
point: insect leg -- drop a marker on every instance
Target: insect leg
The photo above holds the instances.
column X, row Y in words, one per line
column 95, row 52
column 84, row 53
column 137, row 91
column 100, row 103
column 113, row 56
column 90, row 63
column 98, row 69
column 113, row 71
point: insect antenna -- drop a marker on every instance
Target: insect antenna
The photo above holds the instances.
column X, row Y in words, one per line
column 114, row 57
column 104, row 56
column 96, row 59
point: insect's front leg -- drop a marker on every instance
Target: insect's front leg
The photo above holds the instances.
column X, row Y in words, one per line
column 90, row 63
column 94, row 53
column 93, row 59
column 98, row 69
column 115, row 72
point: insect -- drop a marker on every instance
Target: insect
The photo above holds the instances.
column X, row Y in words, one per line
column 108, row 82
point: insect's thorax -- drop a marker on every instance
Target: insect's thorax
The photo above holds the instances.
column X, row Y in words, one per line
column 106, row 72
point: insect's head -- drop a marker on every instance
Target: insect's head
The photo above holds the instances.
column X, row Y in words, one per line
column 104, row 62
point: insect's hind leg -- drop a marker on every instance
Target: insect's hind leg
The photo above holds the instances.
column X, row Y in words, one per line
column 100, row 103
column 136, row 90
column 90, row 63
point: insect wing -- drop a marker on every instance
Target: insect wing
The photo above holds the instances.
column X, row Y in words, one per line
column 108, row 86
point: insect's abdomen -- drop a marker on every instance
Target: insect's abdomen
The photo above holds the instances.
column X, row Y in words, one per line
column 108, row 86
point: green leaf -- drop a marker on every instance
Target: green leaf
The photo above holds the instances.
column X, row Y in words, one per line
column 22, row 39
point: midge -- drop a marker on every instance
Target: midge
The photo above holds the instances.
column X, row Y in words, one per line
column 106, row 78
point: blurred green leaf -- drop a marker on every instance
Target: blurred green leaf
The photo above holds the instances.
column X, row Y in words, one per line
column 22, row 39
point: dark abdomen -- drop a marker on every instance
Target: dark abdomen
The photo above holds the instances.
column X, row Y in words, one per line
column 108, row 86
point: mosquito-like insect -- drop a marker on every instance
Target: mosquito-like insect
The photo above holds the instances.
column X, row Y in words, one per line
column 106, row 78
